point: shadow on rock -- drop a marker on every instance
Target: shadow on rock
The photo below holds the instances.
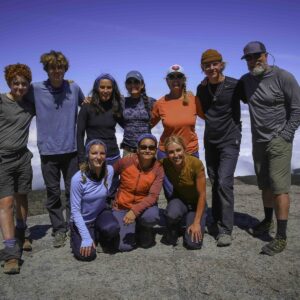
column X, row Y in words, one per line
column 246, row 221
column 39, row 231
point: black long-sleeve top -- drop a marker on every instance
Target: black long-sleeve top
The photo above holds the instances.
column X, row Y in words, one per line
column 97, row 126
column 223, row 116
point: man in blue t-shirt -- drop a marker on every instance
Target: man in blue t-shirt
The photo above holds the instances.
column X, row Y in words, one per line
column 56, row 102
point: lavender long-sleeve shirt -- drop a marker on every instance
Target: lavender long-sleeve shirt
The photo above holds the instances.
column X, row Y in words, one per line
column 88, row 199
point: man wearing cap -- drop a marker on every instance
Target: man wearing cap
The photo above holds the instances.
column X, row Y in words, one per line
column 221, row 106
column 273, row 96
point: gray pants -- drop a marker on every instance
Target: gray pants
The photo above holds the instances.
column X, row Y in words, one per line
column 52, row 167
column 148, row 218
column 221, row 160
column 179, row 215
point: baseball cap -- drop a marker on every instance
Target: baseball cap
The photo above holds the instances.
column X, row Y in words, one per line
column 254, row 47
column 175, row 69
column 135, row 74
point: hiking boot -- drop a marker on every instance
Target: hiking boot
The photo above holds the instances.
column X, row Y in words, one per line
column 223, row 240
column 11, row 266
column 275, row 246
column 59, row 239
column 262, row 228
column 145, row 237
column 170, row 237
column 23, row 238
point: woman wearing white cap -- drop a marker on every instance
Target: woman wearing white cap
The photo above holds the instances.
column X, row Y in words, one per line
column 178, row 111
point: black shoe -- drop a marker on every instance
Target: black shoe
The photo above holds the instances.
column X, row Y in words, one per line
column 170, row 237
column 145, row 237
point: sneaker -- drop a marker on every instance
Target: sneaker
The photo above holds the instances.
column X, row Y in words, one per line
column 275, row 246
column 262, row 228
column 224, row 240
column 24, row 240
column 59, row 239
column 11, row 266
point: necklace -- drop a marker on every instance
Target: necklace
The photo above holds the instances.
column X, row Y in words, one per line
column 218, row 91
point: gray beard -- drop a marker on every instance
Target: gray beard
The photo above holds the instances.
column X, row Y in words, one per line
column 258, row 70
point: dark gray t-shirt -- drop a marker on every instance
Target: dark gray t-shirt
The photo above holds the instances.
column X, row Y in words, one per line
column 15, row 118
column 274, row 104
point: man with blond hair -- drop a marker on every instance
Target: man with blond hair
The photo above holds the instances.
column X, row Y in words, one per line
column 56, row 101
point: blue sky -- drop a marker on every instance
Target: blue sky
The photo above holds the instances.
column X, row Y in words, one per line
column 149, row 36
column 118, row 36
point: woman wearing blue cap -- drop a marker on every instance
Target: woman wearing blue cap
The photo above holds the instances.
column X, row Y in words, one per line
column 91, row 221
column 99, row 118
column 135, row 206
column 136, row 112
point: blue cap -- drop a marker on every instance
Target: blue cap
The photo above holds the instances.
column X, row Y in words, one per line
column 147, row 136
column 254, row 47
column 136, row 75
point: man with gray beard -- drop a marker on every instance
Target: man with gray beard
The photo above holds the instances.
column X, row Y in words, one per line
column 273, row 96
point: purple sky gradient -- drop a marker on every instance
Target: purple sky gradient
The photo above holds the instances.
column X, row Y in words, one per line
column 149, row 36
column 118, row 36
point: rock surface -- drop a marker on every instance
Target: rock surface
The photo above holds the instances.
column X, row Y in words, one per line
column 163, row 272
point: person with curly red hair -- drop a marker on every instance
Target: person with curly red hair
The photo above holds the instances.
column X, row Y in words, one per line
column 15, row 165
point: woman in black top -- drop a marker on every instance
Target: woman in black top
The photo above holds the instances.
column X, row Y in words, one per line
column 99, row 118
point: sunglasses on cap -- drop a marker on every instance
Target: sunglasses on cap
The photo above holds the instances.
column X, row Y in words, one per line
column 145, row 147
column 133, row 81
column 249, row 57
column 175, row 76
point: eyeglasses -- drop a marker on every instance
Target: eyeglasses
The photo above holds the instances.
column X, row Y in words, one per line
column 133, row 81
column 173, row 76
column 145, row 147
column 253, row 56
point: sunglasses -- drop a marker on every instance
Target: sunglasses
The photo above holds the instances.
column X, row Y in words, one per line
column 133, row 81
column 145, row 147
column 253, row 56
column 173, row 76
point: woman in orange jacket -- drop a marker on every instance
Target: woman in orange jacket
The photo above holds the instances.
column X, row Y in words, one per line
column 135, row 205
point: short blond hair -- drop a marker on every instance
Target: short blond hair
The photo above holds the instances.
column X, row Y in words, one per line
column 54, row 58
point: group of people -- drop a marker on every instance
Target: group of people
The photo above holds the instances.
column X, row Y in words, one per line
column 112, row 202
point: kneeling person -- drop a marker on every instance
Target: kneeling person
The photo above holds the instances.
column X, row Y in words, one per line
column 91, row 221
column 135, row 205
column 187, row 206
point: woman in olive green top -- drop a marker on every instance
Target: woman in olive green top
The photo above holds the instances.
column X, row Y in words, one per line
column 187, row 206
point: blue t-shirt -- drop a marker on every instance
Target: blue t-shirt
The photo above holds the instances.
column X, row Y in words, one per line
column 87, row 200
column 56, row 116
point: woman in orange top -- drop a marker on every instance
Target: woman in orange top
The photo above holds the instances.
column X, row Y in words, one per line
column 135, row 205
column 178, row 112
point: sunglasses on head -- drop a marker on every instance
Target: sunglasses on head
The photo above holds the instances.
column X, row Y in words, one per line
column 145, row 147
column 175, row 76
column 133, row 81
column 253, row 56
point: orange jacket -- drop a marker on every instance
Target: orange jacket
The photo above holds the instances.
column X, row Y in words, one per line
column 138, row 189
